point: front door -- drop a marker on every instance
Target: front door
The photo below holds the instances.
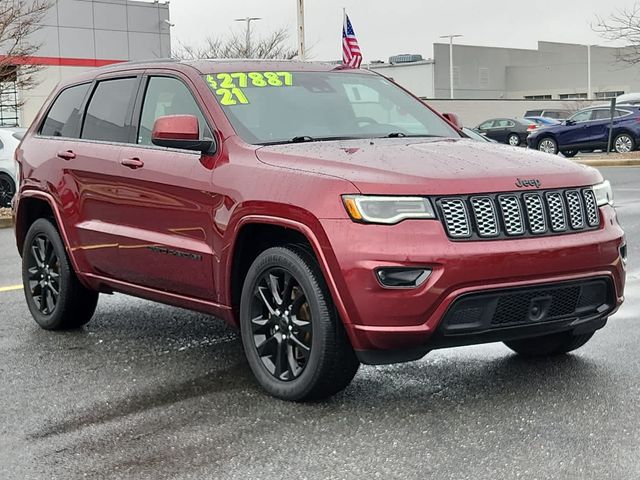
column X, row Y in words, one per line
column 166, row 201
column 574, row 134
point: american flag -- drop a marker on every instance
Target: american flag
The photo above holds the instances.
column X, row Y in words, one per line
column 351, row 55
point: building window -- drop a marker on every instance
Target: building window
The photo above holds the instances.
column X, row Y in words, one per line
column 537, row 97
column 483, row 77
column 9, row 101
column 573, row 96
column 608, row 94
column 456, row 76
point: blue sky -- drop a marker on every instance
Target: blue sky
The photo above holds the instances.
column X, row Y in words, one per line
column 386, row 28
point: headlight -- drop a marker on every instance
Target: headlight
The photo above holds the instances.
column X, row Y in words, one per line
column 604, row 194
column 386, row 210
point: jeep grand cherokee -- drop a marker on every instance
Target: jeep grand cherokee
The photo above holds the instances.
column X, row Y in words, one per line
column 326, row 212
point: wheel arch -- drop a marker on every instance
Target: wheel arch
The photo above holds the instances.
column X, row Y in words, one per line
column 242, row 251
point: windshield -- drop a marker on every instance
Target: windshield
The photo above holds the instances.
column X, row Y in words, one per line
column 282, row 107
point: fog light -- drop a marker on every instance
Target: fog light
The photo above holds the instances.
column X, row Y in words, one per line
column 623, row 254
column 401, row 277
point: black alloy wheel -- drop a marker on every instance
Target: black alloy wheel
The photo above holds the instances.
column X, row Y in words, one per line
column 7, row 191
column 293, row 337
column 281, row 324
column 55, row 297
column 43, row 268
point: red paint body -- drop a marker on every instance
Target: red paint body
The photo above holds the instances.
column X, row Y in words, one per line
column 109, row 215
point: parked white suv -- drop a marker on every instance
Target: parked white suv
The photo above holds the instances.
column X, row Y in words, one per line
column 9, row 140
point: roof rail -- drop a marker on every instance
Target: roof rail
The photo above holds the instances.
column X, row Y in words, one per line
column 141, row 62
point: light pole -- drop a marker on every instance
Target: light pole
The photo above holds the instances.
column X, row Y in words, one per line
column 301, row 47
column 589, row 91
column 450, row 37
column 248, row 21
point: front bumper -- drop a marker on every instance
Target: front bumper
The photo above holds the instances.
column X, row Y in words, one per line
column 406, row 320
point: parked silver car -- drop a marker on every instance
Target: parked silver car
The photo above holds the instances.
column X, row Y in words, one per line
column 9, row 141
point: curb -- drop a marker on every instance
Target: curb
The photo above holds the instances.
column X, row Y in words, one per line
column 6, row 223
column 603, row 162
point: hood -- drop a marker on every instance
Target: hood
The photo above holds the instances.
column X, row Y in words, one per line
column 438, row 166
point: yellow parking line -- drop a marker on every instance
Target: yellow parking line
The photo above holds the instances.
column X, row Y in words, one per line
column 10, row 288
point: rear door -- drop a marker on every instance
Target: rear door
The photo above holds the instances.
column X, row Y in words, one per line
column 501, row 129
column 597, row 130
column 164, row 196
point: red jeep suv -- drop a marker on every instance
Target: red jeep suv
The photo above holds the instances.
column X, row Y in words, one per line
column 329, row 214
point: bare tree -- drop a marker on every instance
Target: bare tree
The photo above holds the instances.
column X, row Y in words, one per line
column 623, row 25
column 274, row 46
column 19, row 19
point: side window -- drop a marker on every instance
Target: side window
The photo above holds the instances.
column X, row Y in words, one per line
column 63, row 118
column 601, row 114
column 621, row 113
column 108, row 111
column 510, row 124
column 583, row 116
column 167, row 96
column 486, row 125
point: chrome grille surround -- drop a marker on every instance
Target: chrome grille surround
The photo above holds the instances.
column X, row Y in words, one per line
column 536, row 215
column 456, row 218
column 591, row 209
column 485, row 215
column 576, row 213
column 557, row 211
column 518, row 214
column 511, row 214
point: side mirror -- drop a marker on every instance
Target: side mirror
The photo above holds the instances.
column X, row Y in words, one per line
column 453, row 119
column 179, row 131
column 569, row 122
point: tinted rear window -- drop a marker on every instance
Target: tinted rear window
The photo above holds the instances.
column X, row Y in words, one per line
column 109, row 111
column 63, row 118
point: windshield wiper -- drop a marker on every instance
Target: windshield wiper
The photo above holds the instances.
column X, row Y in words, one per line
column 302, row 138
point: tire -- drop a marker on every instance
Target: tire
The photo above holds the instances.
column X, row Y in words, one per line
column 624, row 143
column 46, row 270
column 327, row 363
column 514, row 140
column 549, row 345
column 569, row 153
column 7, row 190
column 548, row 145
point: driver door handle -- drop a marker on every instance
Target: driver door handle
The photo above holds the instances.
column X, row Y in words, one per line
column 66, row 154
column 132, row 163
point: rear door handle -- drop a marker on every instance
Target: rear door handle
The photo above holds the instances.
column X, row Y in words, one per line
column 132, row 163
column 66, row 155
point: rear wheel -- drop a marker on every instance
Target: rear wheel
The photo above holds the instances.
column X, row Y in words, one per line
column 513, row 139
column 7, row 190
column 549, row 345
column 55, row 297
column 548, row 145
column 624, row 143
column 293, row 338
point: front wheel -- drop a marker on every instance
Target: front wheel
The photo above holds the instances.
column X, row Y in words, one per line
column 624, row 143
column 514, row 140
column 293, row 338
column 549, row 345
column 548, row 145
column 569, row 153
column 55, row 297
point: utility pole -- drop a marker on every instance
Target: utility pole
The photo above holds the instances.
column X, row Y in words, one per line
column 248, row 21
column 450, row 37
column 301, row 47
column 589, row 91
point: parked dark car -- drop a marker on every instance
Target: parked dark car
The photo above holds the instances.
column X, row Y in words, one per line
column 542, row 121
column 558, row 114
column 475, row 135
column 512, row 131
column 588, row 129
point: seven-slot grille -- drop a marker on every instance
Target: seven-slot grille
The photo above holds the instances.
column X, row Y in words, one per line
column 519, row 214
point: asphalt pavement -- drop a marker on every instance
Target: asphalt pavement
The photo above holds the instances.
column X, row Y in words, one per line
column 147, row 391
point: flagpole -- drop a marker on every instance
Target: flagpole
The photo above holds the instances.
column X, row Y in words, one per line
column 301, row 46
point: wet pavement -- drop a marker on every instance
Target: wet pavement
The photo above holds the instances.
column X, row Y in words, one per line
column 149, row 391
